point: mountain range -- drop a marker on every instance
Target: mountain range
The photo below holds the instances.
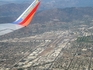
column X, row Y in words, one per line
column 10, row 12
column 48, row 4
column 46, row 20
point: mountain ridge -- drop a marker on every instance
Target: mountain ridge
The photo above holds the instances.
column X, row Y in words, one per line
column 64, row 15
column 48, row 4
column 48, row 20
column 10, row 12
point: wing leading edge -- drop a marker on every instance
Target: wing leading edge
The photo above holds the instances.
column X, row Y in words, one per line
column 22, row 21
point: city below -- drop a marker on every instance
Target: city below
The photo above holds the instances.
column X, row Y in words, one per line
column 52, row 50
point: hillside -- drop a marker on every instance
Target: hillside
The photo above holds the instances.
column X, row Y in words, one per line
column 47, row 20
column 9, row 12
column 65, row 15
column 50, row 4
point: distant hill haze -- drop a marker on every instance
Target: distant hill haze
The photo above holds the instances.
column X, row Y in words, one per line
column 47, row 4
column 9, row 12
column 46, row 20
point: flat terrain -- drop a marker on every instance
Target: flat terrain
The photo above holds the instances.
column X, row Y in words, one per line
column 50, row 50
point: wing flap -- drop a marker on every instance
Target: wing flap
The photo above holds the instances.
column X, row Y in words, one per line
column 8, row 27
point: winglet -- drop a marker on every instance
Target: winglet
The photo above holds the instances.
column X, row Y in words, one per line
column 28, row 14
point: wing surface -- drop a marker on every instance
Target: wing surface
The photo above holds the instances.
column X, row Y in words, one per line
column 8, row 27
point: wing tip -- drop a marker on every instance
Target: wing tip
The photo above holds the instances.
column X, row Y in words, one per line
column 27, row 15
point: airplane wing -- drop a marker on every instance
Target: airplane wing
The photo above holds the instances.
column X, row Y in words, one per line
column 22, row 20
